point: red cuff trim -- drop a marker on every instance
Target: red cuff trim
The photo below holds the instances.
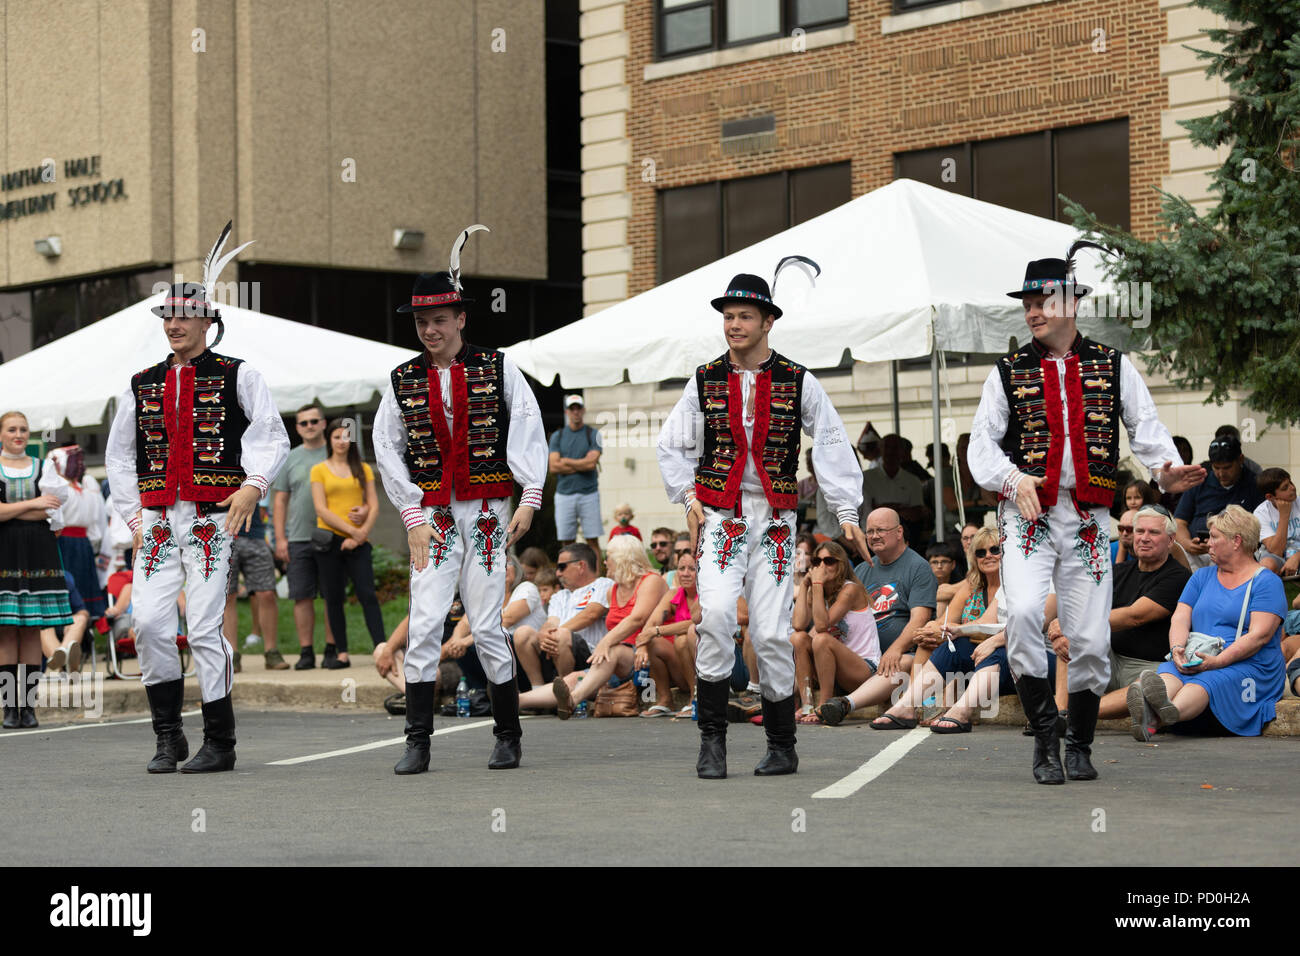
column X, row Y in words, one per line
column 258, row 482
column 133, row 522
column 532, row 498
column 412, row 517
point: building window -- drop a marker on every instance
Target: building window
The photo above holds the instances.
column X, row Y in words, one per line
column 1089, row 164
column 692, row 26
column 700, row 224
column 902, row 6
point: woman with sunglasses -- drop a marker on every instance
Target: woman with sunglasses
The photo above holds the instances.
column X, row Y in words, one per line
column 678, row 613
column 338, row 485
column 835, row 629
column 982, row 657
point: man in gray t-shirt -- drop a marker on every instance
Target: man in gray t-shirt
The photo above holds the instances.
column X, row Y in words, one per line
column 574, row 455
column 294, row 516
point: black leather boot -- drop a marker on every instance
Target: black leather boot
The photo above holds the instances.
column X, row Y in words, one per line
column 165, row 702
column 778, row 723
column 419, row 726
column 711, row 706
column 218, row 751
column 1078, row 736
column 1040, row 707
column 505, row 717
column 11, row 694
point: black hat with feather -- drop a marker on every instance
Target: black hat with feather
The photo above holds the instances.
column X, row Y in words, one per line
column 439, row 290
column 1046, row 276
column 751, row 289
column 190, row 299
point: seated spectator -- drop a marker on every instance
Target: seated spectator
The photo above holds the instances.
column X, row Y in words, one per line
column 528, row 600
column 902, row 589
column 1146, row 593
column 661, row 549
column 955, row 656
column 894, row 488
column 1293, row 672
column 1138, row 493
column 118, row 613
column 943, row 562
column 623, row 523
column 1229, row 483
column 1170, row 501
column 534, row 560
column 636, row 593
column 1279, row 522
column 62, row 645
column 1231, row 431
column 681, row 547
column 967, row 536
column 835, row 631
column 676, row 616
column 1236, row 600
column 1124, row 547
column 575, row 617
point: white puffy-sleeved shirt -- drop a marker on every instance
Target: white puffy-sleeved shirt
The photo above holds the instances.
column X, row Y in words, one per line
column 526, row 452
column 992, row 468
column 262, row 450
column 839, row 479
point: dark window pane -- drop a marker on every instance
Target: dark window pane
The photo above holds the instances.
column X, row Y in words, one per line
column 687, row 30
column 1092, row 169
column 140, row 285
column 564, row 249
column 691, row 235
column 15, row 324
column 352, row 302
column 947, row 167
column 102, row 297
column 283, row 291
column 818, row 190
column 562, row 20
column 756, row 209
column 54, row 313
column 813, row 12
column 752, row 19
column 563, row 137
column 1015, row 172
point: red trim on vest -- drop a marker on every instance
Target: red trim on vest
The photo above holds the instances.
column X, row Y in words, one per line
column 762, row 419
column 460, row 421
column 1047, row 491
column 1074, row 407
column 438, row 418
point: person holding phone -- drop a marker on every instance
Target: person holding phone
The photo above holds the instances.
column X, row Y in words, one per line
column 1229, row 482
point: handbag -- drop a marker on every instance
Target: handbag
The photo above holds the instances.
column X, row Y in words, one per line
column 617, row 701
column 322, row 538
column 1198, row 644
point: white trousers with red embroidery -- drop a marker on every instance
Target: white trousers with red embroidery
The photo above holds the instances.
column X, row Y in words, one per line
column 471, row 557
column 1068, row 545
column 750, row 555
column 182, row 552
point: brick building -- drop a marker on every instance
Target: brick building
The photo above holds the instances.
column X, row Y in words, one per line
column 708, row 125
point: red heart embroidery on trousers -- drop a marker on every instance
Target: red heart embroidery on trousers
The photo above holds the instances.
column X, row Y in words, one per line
column 443, row 523
column 779, row 535
column 205, row 532
column 733, row 528
column 160, row 533
column 487, row 524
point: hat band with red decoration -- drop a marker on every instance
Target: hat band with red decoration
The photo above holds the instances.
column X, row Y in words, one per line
column 442, row 298
column 744, row 294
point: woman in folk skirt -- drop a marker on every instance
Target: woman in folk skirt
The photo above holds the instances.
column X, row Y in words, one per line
column 33, row 593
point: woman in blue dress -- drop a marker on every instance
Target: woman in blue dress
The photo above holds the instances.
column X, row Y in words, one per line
column 1236, row 689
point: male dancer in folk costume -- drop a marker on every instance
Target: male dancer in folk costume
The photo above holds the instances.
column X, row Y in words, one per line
column 740, row 494
column 195, row 434
column 1046, row 437
column 455, row 429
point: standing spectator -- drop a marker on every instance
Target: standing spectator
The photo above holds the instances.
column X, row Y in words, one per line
column 623, row 523
column 868, row 447
column 1214, row 603
column 975, row 500
column 338, row 485
column 574, row 458
column 1230, row 483
column 910, row 464
column 661, row 550
column 902, row 589
column 1279, row 522
column 84, row 520
column 575, row 617
column 251, row 555
column 294, row 516
column 950, row 515
column 33, row 591
column 889, row 486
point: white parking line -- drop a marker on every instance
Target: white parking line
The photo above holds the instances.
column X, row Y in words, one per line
column 373, row 746
column 6, row 734
column 874, row 767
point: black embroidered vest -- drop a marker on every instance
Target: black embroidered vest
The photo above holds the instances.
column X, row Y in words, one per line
column 777, row 419
column 1035, row 436
column 188, row 429
column 472, row 456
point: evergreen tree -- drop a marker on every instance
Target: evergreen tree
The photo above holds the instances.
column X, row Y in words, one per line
column 1226, row 284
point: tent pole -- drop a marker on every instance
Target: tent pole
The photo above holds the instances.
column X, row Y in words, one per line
column 938, row 448
column 893, row 395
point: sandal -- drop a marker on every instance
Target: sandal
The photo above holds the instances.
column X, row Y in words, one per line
column 957, row 726
column 834, row 711
column 894, row 723
column 685, row 713
column 564, row 705
column 659, row 710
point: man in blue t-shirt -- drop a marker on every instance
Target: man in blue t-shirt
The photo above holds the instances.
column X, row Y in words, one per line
column 1230, row 483
column 575, row 454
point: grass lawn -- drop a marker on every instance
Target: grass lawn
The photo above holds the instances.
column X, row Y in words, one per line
column 358, row 637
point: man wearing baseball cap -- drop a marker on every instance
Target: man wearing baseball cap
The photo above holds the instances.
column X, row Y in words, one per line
column 1230, row 482
column 574, row 459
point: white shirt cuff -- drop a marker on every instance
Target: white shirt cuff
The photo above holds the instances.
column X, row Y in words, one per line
column 532, row 497
column 847, row 516
column 413, row 517
column 258, row 482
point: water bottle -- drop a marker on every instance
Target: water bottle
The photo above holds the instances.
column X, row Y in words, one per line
column 695, row 709
column 807, row 695
column 462, row 698
column 642, row 677
column 581, row 710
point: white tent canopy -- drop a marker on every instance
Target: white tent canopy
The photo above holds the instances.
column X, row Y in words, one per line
column 901, row 267
column 73, row 378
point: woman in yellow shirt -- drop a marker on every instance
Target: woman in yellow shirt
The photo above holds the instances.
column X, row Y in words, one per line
column 338, row 484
